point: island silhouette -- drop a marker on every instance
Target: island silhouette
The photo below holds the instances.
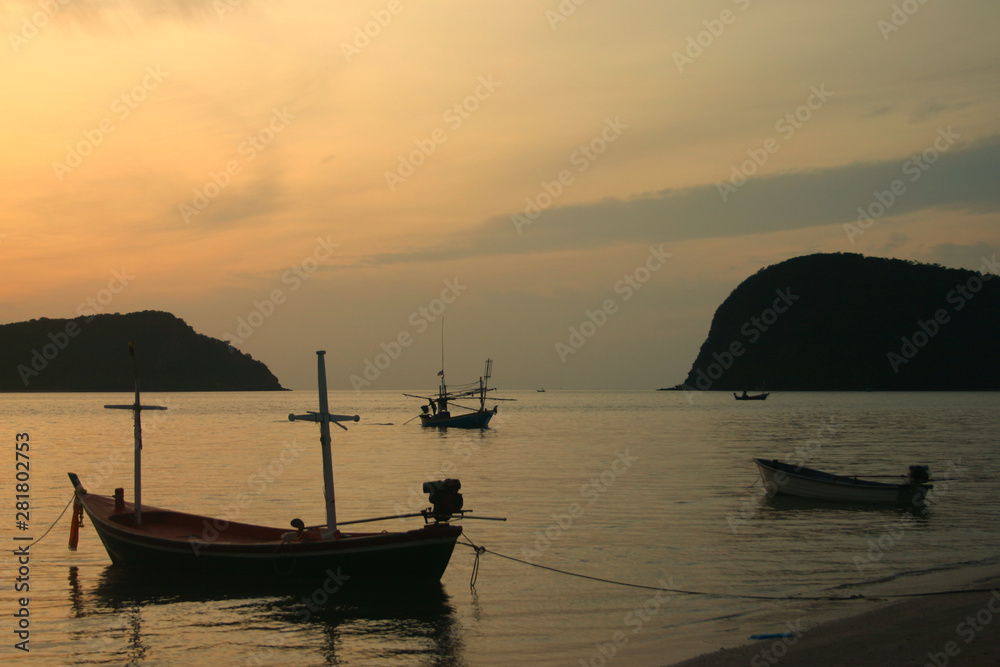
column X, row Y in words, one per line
column 845, row 321
column 90, row 353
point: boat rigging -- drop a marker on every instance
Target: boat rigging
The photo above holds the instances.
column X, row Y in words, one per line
column 437, row 411
column 155, row 540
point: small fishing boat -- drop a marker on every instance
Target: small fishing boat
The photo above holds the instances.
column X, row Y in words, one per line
column 437, row 411
column 156, row 540
column 751, row 397
column 791, row 480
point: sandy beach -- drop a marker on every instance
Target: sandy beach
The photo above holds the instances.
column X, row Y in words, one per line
column 961, row 628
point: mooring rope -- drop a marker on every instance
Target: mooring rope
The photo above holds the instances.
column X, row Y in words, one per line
column 836, row 598
column 475, row 566
column 34, row 542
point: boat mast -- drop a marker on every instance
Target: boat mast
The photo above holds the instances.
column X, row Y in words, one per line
column 443, row 389
column 325, row 418
column 136, row 409
column 483, row 383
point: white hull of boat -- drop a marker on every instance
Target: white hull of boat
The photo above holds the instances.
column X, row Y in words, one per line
column 787, row 480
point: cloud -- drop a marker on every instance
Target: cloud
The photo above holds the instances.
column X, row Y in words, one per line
column 104, row 17
column 961, row 178
column 963, row 256
column 248, row 201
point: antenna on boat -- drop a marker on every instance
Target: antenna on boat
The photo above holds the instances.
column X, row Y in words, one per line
column 325, row 418
column 137, row 409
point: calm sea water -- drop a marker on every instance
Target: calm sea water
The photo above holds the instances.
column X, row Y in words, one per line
column 639, row 487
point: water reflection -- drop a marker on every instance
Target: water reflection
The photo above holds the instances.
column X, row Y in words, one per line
column 791, row 503
column 76, row 598
column 379, row 625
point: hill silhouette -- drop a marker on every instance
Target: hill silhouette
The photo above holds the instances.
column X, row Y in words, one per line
column 849, row 322
column 91, row 354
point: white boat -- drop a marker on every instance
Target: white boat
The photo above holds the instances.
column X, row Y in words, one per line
column 791, row 480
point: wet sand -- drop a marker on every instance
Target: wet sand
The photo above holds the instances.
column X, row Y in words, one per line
column 952, row 629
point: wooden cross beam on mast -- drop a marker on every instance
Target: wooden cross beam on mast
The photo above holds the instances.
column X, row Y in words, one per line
column 137, row 409
column 325, row 419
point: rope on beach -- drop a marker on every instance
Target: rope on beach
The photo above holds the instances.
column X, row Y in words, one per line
column 836, row 598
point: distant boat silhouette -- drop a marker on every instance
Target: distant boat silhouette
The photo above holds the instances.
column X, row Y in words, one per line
column 751, row 397
column 437, row 412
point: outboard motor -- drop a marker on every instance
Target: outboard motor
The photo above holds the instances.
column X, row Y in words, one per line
column 919, row 475
column 445, row 498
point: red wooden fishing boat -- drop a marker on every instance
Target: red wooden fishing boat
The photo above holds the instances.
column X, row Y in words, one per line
column 158, row 540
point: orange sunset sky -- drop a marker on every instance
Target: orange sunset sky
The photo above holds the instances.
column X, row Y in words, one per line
column 297, row 175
